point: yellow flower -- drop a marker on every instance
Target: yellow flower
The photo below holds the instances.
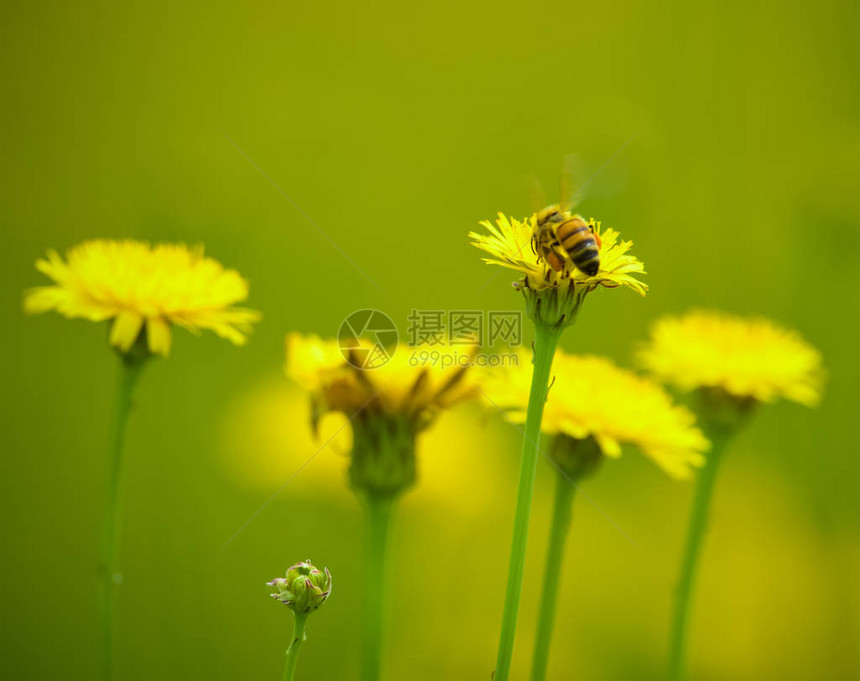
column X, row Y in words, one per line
column 264, row 439
column 590, row 397
column 407, row 385
column 747, row 358
column 387, row 406
column 138, row 285
column 509, row 242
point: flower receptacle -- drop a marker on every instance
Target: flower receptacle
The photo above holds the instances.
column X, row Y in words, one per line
column 576, row 458
column 383, row 455
column 554, row 308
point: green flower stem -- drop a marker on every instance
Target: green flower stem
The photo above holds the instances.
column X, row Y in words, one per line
column 296, row 643
column 379, row 512
column 109, row 573
column 705, row 481
column 546, row 341
column 561, row 516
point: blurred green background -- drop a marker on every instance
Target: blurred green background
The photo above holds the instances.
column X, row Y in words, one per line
column 398, row 127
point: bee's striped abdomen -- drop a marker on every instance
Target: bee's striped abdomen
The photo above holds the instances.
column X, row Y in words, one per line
column 577, row 239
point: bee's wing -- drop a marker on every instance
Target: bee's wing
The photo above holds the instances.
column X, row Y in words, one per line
column 537, row 197
column 571, row 187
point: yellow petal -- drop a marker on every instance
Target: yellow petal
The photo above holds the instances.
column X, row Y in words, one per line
column 158, row 335
column 608, row 445
column 125, row 330
column 43, row 298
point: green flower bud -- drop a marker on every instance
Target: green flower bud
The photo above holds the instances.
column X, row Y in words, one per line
column 304, row 589
column 721, row 412
column 553, row 308
column 383, row 454
column 577, row 458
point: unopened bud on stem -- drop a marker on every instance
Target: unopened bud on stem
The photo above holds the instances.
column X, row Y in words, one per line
column 304, row 589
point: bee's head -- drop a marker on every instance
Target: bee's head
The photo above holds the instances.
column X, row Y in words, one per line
column 552, row 213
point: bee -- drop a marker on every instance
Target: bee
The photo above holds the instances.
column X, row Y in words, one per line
column 561, row 237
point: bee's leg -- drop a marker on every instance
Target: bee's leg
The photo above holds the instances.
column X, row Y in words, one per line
column 560, row 253
column 564, row 258
column 538, row 249
column 555, row 258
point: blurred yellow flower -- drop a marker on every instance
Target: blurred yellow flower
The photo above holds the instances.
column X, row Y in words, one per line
column 747, row 358
column 405, row 385
column 140, row 287
column 265, row 440
column 387, row 406
column 592, row 398
column 509, row 242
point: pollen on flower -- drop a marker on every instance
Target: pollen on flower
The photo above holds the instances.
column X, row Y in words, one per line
column 144, row 289
column 747, row 358
column 591, row 398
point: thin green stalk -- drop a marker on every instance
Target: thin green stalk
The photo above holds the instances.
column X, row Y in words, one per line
column 295, row 644
column 561, row 516
column 379, row 512
column 109, row 572
column 546, row 341
column 705, row 481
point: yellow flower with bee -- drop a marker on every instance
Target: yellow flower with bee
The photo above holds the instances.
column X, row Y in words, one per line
column 562, row 258
column 513, row 244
